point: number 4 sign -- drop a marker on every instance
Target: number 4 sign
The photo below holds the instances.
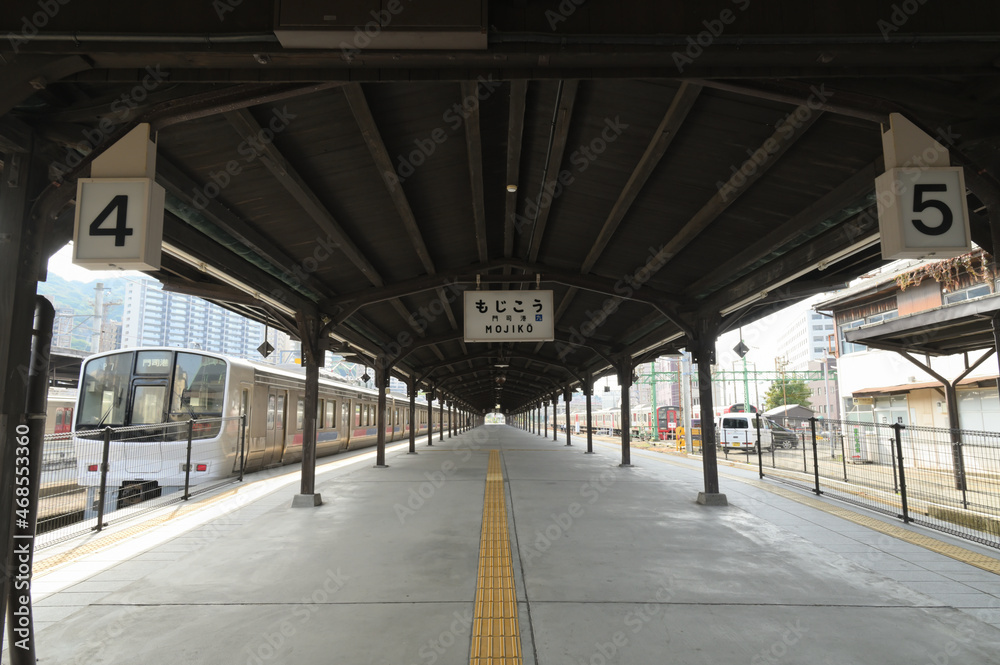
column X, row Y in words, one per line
column 922, row 212
column 119, row 224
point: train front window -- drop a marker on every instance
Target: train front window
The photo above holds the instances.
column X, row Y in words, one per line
column 104, row 391
column 199, row 387
column 147, row 405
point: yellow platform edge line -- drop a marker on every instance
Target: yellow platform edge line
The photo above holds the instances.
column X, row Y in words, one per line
column 956, row 552
column 495, row 635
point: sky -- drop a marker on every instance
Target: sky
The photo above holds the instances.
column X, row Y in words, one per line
column 61, row 263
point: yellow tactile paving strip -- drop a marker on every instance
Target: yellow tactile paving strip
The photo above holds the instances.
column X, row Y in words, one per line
column 495, row 636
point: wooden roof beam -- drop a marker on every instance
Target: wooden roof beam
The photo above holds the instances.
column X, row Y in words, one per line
column 178, row 184
column 836, row 244
column 682, row 103
column 474, row 147
column 246, row 125
column 515, row 138
column 784, row 137
column 560, row 132
column 576, row 375
column 343, row 306
column 850, row 192
column 373, row 139
column 288, row 177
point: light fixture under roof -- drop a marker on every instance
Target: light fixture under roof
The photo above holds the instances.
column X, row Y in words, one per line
column 501, row 365
column 512, row 188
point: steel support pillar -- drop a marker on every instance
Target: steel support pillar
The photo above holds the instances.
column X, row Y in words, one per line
column 430, row 417
column 555, row 420
column 312, row 356
column 951, row 402
column 625, row 381
column 381, row 384
column 20, row 621
column 703, row 350
column 588, row 390
column 441, row 417
column 412, row 389
column 21, row 262
column 567, row 397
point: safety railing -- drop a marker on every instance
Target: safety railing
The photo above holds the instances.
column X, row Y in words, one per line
column 941, row 478
column 92, row 478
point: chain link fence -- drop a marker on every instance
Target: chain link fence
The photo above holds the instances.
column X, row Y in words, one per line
column 93, row 478
column 941, row 478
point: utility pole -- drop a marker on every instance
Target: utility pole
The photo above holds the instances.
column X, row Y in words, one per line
column 756, row 385
column 779, row 365
column 656, row 420
column 95, row 332
column 685, row 386
column 653, row 378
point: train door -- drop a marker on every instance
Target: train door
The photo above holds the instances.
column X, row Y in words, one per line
column 276, row 425
column 243, row 442
column 64, row 416
column 346, row 425
column 149, row 407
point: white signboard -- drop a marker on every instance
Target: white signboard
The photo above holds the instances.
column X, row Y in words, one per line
column 119, row 224
column 509, row 316
column 922, row 212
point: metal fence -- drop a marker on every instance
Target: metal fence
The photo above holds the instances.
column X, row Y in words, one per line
column 94, row 478
column 941, row 478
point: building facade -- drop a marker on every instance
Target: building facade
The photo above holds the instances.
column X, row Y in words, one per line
column 883, row 386
column 805, row 339
column 153, row 317
column 62, row 328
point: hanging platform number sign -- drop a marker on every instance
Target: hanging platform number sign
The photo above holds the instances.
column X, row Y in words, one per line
column 119, row 224
column 922, row 212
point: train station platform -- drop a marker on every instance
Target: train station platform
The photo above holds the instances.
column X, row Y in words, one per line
column 408, row 565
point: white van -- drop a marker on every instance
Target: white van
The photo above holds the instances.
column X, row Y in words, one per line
column 738, row 431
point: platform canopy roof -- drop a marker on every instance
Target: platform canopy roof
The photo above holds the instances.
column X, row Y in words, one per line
column 942, row 331
column 679, row 170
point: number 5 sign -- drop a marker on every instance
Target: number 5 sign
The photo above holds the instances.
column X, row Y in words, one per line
column 119, row 223
column 922, row 212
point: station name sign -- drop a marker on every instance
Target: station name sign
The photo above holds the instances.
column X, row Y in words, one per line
column 509, row 316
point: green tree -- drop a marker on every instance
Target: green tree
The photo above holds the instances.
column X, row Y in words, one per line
column 789, row 391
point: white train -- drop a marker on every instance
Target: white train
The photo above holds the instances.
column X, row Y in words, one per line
column 149, row 394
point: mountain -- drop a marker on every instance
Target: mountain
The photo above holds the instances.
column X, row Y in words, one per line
column 79, row 297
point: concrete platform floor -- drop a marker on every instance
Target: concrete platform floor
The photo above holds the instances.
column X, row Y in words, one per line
column 611, row 565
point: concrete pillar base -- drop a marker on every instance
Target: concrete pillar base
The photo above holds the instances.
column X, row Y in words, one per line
column 712, row 499
column 627, row 466
column 411, row 452
column 380, row 466
column 588, row 452
column 307, row 500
